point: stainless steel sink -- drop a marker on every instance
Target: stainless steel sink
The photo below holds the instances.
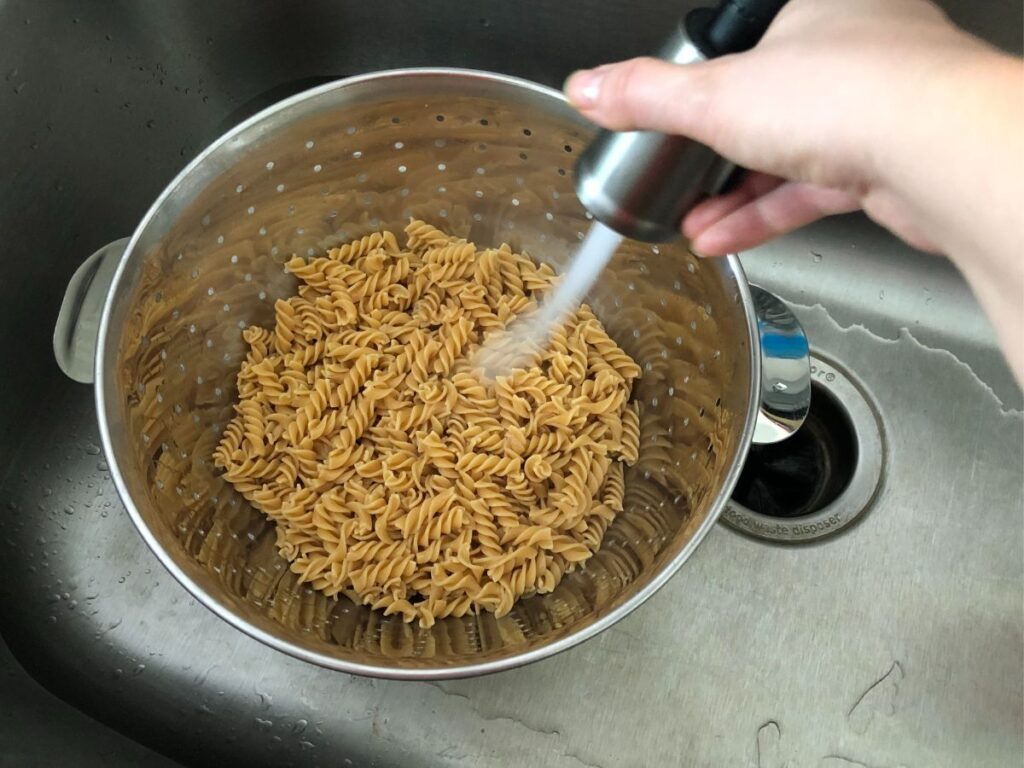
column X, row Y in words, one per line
column 896, row 642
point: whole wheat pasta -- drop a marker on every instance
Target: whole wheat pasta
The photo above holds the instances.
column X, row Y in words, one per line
column 396, row 472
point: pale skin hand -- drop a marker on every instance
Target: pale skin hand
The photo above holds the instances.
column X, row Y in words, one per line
column 880, row 105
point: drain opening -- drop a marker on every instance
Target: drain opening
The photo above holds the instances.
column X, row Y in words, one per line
column 822, row 478
column 806, row 472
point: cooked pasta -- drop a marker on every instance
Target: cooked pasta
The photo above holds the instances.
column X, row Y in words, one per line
column 397, row 472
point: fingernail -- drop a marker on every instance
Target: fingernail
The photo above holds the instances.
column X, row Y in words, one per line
column 583, row 88
column 698, row 252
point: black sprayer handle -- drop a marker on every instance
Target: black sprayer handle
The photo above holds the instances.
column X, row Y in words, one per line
column 734, row 26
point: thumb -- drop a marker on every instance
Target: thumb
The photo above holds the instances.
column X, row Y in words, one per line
column 647, row 94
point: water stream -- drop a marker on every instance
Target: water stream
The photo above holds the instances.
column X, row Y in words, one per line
column 513, row 348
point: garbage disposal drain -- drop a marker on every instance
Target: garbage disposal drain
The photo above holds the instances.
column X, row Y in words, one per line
column 805, row 472
column 822, row 478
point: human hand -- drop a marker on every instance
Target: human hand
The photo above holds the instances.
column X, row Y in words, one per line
column 810, row 110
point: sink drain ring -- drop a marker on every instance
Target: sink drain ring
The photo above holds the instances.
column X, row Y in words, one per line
column 860, row 491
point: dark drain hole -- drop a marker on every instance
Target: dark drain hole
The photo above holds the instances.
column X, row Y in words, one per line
column 805, row 472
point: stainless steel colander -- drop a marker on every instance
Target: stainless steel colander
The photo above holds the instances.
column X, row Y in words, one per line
column 485, row 157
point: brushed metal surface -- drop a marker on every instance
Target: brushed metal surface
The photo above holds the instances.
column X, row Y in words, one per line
column 899, row 642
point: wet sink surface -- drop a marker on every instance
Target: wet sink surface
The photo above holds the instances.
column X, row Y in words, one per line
column 898, row 642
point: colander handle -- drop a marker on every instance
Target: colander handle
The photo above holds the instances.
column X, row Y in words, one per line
column 785, row 369
column 78, row 322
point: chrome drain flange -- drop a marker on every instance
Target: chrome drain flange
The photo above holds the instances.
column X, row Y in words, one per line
column 820, row 480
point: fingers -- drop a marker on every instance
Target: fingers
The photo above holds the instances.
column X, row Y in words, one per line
column 645, row 94
column 782, row 209
column 764, row 109
column 717, row 103
column 702, row 216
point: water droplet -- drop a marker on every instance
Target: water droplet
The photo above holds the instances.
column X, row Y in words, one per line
column 69, row 510
column 138, row 670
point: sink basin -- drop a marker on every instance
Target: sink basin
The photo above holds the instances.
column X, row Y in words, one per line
column 898, row 641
